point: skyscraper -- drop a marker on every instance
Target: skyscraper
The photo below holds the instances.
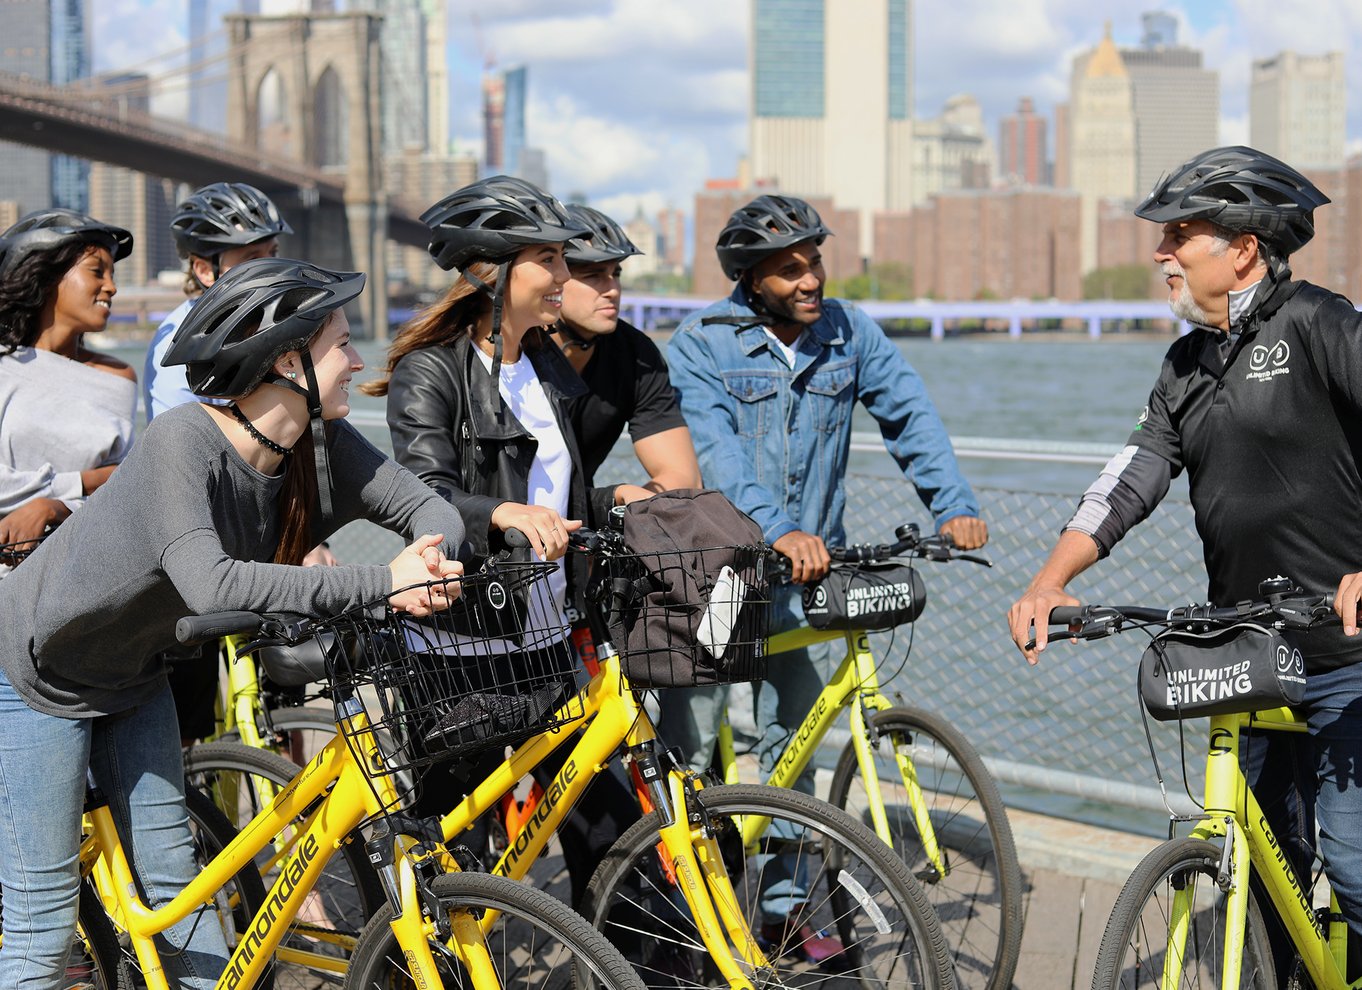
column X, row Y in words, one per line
column 437, row 77
column 493, row 122
column 135, row 201
column 48, row 41
column 1102, row 137
column 404, row 89
column 513, row 120
column 832, row 100
column 1298, row 109
column 1022, row 148
column 208, row 60
column 1176, row 101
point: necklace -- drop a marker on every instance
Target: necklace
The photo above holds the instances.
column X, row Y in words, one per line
column 257, row 436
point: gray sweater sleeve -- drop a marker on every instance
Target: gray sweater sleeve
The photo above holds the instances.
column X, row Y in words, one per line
column 367, row 485
column 385, row 493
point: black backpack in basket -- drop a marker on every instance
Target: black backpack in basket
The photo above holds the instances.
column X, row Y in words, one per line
column 690, row 603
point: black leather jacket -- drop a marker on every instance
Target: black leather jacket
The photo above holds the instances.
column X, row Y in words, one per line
column 451, row 428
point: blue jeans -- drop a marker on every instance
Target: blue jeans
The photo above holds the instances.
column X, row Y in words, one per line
column 1317, row 778
column 690, row 719
column 135, row 760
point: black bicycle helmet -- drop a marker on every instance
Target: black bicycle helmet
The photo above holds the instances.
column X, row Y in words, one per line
column 494, row 218
column 763, row 227
column 1242, row 190
column 604, row 240
column 255, row 312
column 224, row 215
column 48, row 230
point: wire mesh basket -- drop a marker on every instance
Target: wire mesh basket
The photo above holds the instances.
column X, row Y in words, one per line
column 686, row 618
column 492, row 670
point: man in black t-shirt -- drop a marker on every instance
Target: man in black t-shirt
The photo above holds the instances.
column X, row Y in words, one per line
column 625, row 375
column 1261, row 404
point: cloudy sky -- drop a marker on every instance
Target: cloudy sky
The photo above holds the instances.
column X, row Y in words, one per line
column 637, row 102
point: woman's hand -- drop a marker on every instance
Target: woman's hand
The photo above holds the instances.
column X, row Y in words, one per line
column 320, row 556
column 31, row 520
column 419, row 564
column 546, row 530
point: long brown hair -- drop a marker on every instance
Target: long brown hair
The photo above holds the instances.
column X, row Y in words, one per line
column 296, row 498
column 456, row 313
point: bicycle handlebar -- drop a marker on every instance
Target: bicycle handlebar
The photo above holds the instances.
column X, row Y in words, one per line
column 194, row 630
column 1288, row 608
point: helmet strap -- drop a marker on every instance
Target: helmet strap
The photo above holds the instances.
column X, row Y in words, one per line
column 498, row 294
column 573, row 338
column 312, row 393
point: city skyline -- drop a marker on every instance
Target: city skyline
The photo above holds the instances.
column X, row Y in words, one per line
column 637, row 103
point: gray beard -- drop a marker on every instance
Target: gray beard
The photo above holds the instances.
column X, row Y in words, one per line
column 1184, row 307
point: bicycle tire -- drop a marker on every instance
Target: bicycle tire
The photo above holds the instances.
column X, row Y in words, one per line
column 316, row 724
column 1135, row 943
column 96, row 957
column 97, row 940
column 979, row 899
column 348, row 892
column 631, row 899
column 583, row 957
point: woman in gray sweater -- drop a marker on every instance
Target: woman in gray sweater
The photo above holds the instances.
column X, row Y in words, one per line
column 211, row 511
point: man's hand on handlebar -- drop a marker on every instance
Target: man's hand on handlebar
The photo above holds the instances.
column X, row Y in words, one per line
column 809, row 558
column 1029, row 619
column 967, row 532
column 1345, row 601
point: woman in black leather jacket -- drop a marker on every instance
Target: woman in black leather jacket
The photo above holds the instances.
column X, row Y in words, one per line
column 477, row 406
column 451, row 421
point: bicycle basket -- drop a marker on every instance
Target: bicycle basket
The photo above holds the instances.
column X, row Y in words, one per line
column 463, row 680
column 685, row 618
column 1242, row 668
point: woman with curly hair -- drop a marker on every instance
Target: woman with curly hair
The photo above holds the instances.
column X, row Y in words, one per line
column 66, row 412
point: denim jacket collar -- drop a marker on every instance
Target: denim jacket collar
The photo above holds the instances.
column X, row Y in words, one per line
column 752, row 336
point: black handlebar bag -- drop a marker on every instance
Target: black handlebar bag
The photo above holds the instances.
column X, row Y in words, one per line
column 865, row 596
column 690, row 603
column 1242, row 668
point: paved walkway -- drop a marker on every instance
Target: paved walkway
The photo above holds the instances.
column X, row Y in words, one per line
column 1073, row 874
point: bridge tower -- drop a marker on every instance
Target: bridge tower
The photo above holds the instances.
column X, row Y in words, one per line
column 306, row 86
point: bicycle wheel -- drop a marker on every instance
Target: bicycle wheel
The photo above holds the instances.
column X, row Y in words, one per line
column 95, row 957
column 347, row 893
column 975, row 886
column 537, row 942
column 1136, row 949
column 827, row 902
column 299, row 733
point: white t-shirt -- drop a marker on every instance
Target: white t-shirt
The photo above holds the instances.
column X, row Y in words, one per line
column 786, row 351
column 551, row 469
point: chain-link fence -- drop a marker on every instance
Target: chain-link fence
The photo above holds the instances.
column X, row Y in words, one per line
column 1066, row 735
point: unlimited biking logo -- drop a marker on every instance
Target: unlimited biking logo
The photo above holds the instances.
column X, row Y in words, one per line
column 1267, row 361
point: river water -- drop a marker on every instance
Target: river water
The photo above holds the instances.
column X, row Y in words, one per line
column 1043, row 389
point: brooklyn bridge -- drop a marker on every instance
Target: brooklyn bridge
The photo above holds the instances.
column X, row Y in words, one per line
column 331, row 186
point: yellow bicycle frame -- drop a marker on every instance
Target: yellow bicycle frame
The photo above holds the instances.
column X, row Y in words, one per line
column 854, row 686
column 1232, row 815
column 613, row 716
column 345, row 793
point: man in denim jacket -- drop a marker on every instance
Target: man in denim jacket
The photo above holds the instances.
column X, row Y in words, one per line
column 768, row 378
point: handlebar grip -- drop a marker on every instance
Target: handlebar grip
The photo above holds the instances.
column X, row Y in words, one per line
column 195, row 629
column 1064, row 615
column 515, row 539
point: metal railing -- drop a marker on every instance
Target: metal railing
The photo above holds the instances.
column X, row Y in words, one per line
column 1068, row 726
